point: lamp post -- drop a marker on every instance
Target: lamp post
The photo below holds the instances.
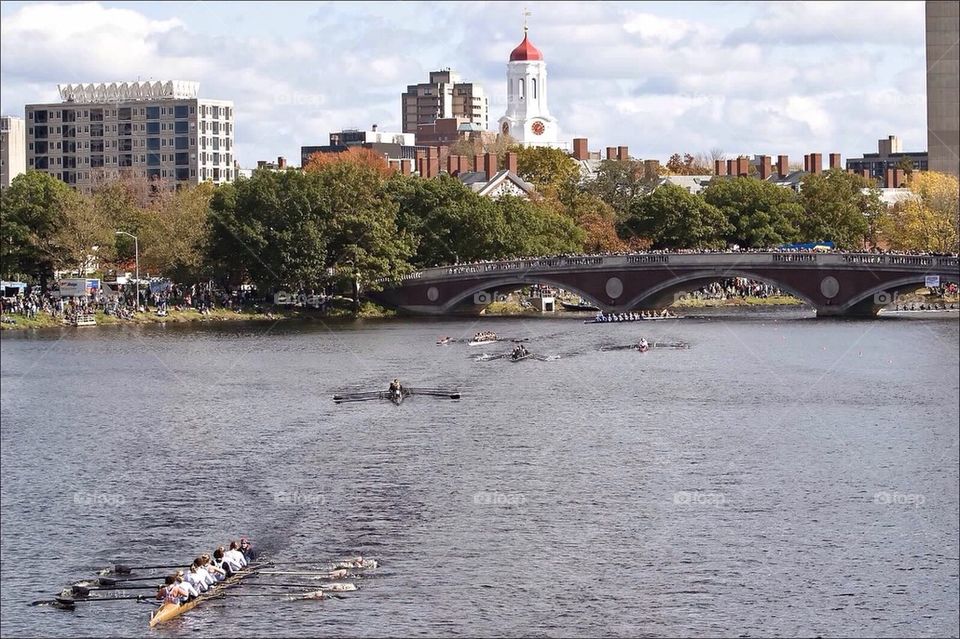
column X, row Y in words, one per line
column 136, row 253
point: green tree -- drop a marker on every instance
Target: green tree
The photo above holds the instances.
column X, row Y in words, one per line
column 618, row 182
column 174, row 233
column 672, row 217
column 761, row 214
column 535, row 229
column 83, row 234
column 32, row 211
column 838, row 207
column 551, row 171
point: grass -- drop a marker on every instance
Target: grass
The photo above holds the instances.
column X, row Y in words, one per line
column 773, row 300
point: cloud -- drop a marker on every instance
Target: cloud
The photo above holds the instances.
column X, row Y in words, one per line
column 747, row 77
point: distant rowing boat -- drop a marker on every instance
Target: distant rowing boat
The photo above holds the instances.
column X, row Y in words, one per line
column 482, row 342
column 632, row 319
column 364, row 396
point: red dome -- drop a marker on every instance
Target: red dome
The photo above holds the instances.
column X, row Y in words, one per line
column 525, row 51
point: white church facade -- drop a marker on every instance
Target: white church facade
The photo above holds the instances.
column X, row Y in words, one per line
column 528, row 119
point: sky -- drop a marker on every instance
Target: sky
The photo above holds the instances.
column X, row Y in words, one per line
column 661, row 78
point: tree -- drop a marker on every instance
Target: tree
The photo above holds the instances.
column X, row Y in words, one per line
column 617, row 183
column 82, row 233
column 356, row 155
column 174, row 233
column 32, row 212
column 837, row 207
column 687, row 165
column 929, row 221
column 446, row 220
column 672, row 217
column 534, row 229
column 598, row 221
column 549, row 170
column 761, row 214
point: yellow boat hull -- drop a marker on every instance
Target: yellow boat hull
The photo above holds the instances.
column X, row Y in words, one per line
column 170, row 611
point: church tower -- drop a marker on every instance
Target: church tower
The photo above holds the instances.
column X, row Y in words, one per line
column 528, row 119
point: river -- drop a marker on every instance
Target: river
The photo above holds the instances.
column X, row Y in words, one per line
column 781, row 476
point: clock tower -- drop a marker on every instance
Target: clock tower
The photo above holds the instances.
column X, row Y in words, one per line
column 528, row 119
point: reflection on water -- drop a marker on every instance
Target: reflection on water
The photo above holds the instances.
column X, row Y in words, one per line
column 783, row 475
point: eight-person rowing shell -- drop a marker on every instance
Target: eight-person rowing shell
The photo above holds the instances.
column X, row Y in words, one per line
column 204, row 572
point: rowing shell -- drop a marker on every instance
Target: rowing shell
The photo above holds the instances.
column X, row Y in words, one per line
column 521, row 358
column 481, row 342
column 169, row 611
column 407, row 392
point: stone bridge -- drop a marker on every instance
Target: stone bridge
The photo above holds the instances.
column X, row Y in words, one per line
column 845, row 284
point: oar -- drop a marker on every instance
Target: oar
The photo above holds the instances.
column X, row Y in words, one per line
column 109, row 581
column 315, row 594
column 69, row 602
column 121, row 569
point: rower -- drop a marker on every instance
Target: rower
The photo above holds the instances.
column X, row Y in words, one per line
column 197, row 578
column 235, row 556
column 643, row 345
column 170, row 592
column 221, row 561
column 217, row 572
column 186, row 586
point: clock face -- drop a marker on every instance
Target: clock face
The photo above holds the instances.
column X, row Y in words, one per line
column 505, row 127
column 537, row 128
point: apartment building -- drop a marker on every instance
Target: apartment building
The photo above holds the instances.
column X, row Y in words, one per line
column 444, row 96
column 161, row 131
column 13, row 159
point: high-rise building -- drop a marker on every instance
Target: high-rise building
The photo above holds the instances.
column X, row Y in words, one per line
column 160, row 131
column 528, row 118
column 13, row 158
column 444, row 96
column 943, row 86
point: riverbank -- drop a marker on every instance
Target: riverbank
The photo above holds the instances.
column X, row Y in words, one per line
column 45, row 320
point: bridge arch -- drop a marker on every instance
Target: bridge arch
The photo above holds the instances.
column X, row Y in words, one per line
column 873, row 299
column 512, row 284
column 669, row 289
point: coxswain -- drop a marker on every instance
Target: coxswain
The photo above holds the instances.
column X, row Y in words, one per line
column 246, row 548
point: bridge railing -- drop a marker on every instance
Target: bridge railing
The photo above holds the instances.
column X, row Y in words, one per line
column 746, row 259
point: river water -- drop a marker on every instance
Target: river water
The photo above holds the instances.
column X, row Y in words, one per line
column 782, row 476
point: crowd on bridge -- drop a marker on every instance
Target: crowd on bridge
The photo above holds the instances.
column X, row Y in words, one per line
column 511, row 263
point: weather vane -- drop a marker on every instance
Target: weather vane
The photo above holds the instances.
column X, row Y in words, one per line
column 526, row 14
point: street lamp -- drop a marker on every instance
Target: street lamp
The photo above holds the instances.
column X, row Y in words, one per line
column 136, row 252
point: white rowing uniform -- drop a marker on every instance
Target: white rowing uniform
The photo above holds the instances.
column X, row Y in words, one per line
column 206, row 575
column 169, row 595
column 195, row 577
column 189, row 587
column 235, row 558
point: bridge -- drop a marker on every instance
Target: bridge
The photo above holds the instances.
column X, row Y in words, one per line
column 835, row 284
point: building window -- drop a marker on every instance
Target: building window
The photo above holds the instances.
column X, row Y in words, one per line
column 533, row 88
column 520, row 88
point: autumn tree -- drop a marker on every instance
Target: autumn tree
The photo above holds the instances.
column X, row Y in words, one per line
column 928, row 221
column 355, row 155
column 550, row 170
column 687, row 165
column 174, row 233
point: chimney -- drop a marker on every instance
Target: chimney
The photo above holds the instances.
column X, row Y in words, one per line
column 743, row 166
column 478, row 163
column 490, row 165
column 816, row 163
column 719, row 167
column 452, row 165
column 898, row 178
column 622, row 154
column 651, row 169
column 783, row 165
column 405, row 166
column 512, row 160
column 422, row 166
column 433, row 166
column 374, row 128
column 806, row 163
column 765, row 167
column 865, row 173
column 580, row 151
column 890, row 177
column 611, row 153
column 281, row 162
column 835, row 161
column 732, row 167
column 394, row 165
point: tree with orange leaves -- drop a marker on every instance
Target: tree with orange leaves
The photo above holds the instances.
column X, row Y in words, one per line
column 354, row 155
